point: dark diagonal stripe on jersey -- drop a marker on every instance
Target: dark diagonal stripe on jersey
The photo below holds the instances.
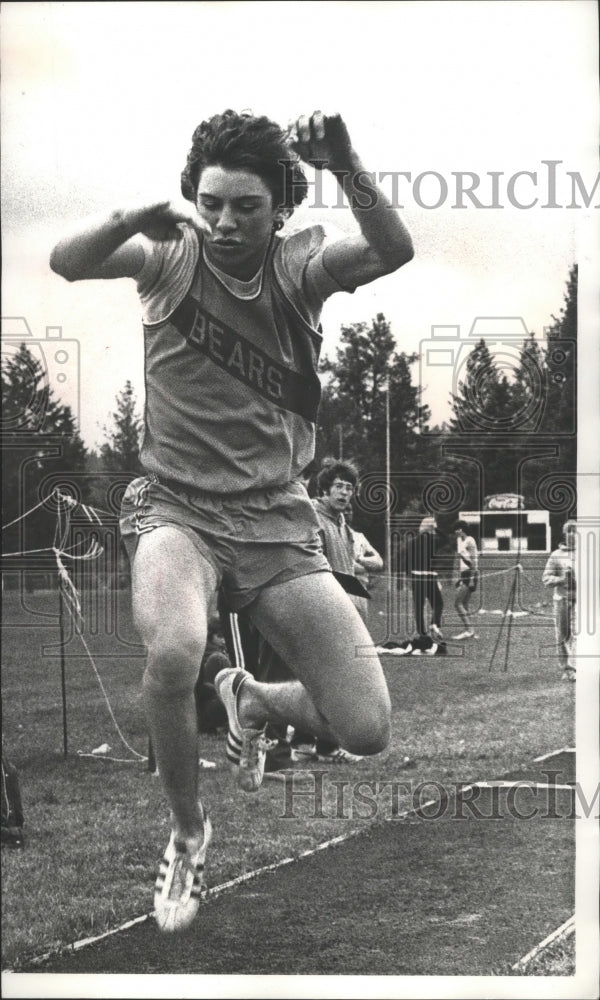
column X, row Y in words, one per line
column 247, row 363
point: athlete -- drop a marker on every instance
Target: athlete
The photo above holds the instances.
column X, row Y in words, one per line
column 231, row 336
column 467, row 576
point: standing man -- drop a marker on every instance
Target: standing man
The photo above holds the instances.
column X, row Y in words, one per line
column 366, row 561
column 559, row 573
column 466, row 576
column 231, row 314
column 336, row 485
column 416, row 565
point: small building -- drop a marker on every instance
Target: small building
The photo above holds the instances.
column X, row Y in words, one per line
column 506, row 526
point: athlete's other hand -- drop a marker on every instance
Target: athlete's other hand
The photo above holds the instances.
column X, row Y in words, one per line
column 321, row 140
column 160, row 221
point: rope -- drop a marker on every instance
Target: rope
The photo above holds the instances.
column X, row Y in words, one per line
column 60, row 549
column 139, row 756
column 26, row 514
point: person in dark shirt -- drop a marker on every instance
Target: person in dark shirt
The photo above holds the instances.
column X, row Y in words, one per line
column 416, row 566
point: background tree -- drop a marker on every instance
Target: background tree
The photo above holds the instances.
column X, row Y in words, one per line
column 353, row 413
column 500, row 425
column 354, row 396
column 120, row 452
column 483, row 412
column 41, row 448
column 561, row 363
column 553, row 482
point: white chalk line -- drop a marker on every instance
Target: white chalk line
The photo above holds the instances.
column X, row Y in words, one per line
column 248, row 876
column 568, row 928
column 565, row 930
column 523, row 783
column 554, row 753
column 207, row 894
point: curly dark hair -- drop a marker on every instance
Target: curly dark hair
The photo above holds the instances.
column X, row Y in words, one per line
column 246, row 142
column 345, row 471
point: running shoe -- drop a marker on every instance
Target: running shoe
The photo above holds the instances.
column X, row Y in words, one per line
column 180, row 881
column 303, row 752
column 249, row 746
column 464, row 635
column 339, row 756
column 436, row 633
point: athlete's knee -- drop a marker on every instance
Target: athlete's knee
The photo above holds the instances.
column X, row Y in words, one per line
column 369, row 732
column 174, row 661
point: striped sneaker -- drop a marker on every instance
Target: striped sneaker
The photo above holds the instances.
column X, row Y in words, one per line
column 339, row 756
column 246, row 748
column 180, row 881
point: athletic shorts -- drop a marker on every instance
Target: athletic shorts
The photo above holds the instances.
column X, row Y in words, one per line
column 253, row 540
column 468, row 578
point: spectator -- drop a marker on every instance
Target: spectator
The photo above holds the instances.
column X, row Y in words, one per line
column 336, row 484
column 416, row 564
column 366, row 561
column 559, row 573
column 467, row 576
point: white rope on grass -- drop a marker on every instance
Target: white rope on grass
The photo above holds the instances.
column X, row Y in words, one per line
column 139, row 756
column 68, row 591
column 113, row 760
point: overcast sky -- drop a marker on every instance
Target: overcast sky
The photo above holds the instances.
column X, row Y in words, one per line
column 99, row 101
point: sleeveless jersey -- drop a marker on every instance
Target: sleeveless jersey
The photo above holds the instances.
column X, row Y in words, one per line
column 232, row 390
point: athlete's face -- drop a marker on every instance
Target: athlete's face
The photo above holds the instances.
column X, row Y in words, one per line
column 238, row 206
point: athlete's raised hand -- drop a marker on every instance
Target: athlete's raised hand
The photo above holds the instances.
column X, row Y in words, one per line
column 105, row 245
column 321, row 140
column 159, row 221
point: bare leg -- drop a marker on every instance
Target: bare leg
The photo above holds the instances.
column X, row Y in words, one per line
column 562, row 630
column 173, row 586
column 341, row 693
column 463, row 596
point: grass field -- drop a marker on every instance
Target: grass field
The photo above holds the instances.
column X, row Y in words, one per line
column 95, row 829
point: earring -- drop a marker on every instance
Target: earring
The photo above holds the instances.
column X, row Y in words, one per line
column 277, row 225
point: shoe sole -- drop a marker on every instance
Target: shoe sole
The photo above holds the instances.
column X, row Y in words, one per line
column 239, row 740
column 323, row 758
column 299, row 757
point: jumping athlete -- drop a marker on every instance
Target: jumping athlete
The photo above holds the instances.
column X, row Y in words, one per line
column 231, row 334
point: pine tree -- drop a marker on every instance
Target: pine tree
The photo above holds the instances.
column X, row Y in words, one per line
column 498, row 426
column 561, row 363
column 529, row 389
column 353, row 420
column 557, row 415
column 354, row 398
column 41, row 446
column 121, row 450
